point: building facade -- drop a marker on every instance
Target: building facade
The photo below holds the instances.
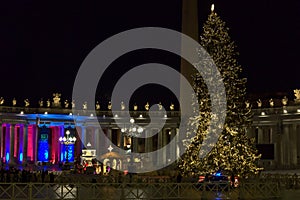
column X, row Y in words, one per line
column 30, row 135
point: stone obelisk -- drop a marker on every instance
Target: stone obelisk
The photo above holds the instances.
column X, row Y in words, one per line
column 190, row 27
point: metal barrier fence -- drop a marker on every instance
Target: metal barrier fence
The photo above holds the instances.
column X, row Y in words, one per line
column 285, row 181
column 130, row 191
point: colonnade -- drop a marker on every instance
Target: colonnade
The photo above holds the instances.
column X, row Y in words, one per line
column 285, row 137
column 17, row 142
column 20, row 142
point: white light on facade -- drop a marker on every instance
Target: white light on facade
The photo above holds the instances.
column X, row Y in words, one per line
column 285, row 111
column 131, row 120
column 140, row 129
column 67, row 140
column 46, row 113
column 22, row 112
column 132, row 130
column 263, row 113
column 298, row 110
column 110, row 148
column 92, row 115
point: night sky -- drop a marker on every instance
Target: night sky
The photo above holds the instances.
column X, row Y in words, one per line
column 44, row 44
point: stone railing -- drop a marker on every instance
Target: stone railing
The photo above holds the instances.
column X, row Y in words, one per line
column 284, row 111
column 81, row 112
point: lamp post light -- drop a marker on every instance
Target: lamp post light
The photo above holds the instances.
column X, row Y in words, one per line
column 132, row 131
column 67, row 140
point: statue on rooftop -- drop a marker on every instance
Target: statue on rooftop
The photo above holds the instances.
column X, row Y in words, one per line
column 84, row 106
column 1, row 100
column 97, row 105
column 41, row 102
column 247, row 104
column 109, row 106
column 73, row 103
column 284, row 101
column 135, row 107
column 160, row 106
column 66, row 103
column 26, row 101
column 48, row 103
column 172, row 106
column 14, row 102
column 122, row 105
column 297, row 95
column 259, row 103
column 271, row 103
column 56, row 99
column 147, row 106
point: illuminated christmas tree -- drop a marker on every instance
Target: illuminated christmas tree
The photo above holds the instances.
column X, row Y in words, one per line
column 234, row 152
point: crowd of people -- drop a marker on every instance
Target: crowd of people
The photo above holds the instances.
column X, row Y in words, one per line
column 15, row 175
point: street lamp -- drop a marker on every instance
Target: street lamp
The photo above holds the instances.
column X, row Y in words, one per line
column 67, row 140
column 132, row 130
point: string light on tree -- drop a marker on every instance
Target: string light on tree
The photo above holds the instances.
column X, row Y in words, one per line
column 234, row 152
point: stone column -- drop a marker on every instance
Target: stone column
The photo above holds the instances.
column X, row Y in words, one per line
column 2, row 152
column 266, row 135
column 36, row 142
column 92, row 136
column 134, row 144
column 274, row 140
column 298, row 145
column 250, row 132
column 102, row 142
column 83, row 136
column 109, row 136
column 279, row 149
column 25, row 143
column 293, row 145
column 159, row 146
column 285, row 145
column 12, row 145
column 165, row 133
column 148, row 148
column 173, row 145
column 109, row 133
column 260, row 136
column 272, row 135
column 121, row 139
column 179, row 144
column 97, row 141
